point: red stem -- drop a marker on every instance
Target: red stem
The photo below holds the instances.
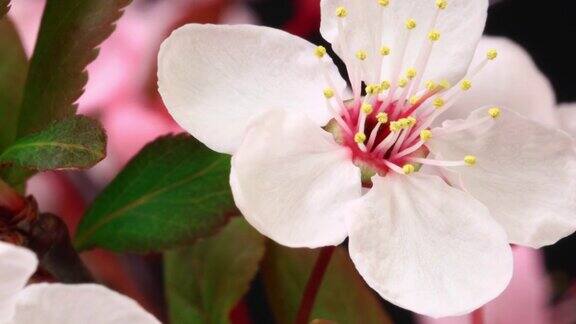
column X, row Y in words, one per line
column 313, row 285
column 478, row 316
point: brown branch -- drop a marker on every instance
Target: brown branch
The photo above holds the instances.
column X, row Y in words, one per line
column 45, row 234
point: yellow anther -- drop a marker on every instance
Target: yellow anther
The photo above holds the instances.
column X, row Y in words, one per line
column 359, row 138
column 410, row 23
column 408, row 169
column 444, row 84
column 385, row 50
column 402, row 83
column 385, row 85
column 404, row 123
column 438, row 102
column 382, row 117
column 466, row 85
column 411, row 121
column 361, row 55
column 341, row 12
column 431, row 85
column 434, row 35
column 395, row 126
column 413, row 100
column 470, row 160
column 492, row 54
column 494, row 112
column 320, row 51
column 411, row 73
column 425, row 135
column 328, row 93
column 384, row 3
column 367, row 108
column 441, row 4
column 372, row 89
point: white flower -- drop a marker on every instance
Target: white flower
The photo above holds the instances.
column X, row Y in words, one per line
column 431, row 232
column 57, row 303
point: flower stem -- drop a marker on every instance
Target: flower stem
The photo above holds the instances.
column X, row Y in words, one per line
column 313, row 285
column 478, row 316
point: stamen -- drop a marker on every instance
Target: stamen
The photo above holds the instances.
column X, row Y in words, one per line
column 384, row 3
column 395, row 131
column 494, row 112
column 470, row 160
column 438, row 102
column 402, row 83
column 381, row 118
column 394, row 167
column 426, row 49
column 425, row 135
column 492, row 54
column 465, row 125
column 411, row 24
column 385, row 51
column 441, row 4
column 365, row 110
column 443, row 163
column 398, row 62
column 409, row 150
column 359, row 138
column 408, row 169
column 328, row 94
column 411, row 73
column 373, row 89
column 320, row 51
column 434, row 35
column 331, row 88
column 406, row 124
column 466, row 84
column 341, row 12
column 431, row 85
column 361, row 55
column 385, row 85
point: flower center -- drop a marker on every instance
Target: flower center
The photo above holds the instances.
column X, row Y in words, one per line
column 387, row 127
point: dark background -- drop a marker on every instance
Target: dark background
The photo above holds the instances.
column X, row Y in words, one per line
column 547, row 30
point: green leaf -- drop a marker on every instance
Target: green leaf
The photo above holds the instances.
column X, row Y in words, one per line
column 173, row 192
column 73, row 143
column 343, row 296
column 13, row 68
column 205, row 281
column 69, row 34
column 16, row 177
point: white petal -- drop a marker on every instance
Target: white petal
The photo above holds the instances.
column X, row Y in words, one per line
column 291, row 180
column 16, row 266
column 460, row 24
column 512, row 80
column 567, row 113
column 73, row 304
column 214, row 79
column 428, row 247
column 525, row 174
